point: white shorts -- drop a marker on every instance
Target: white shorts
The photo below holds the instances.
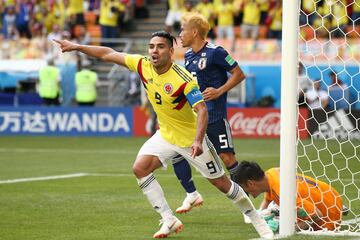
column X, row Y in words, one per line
column 208, row 163
column 172, row 17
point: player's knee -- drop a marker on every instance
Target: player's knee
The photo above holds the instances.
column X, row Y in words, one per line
column 139, row 171
column 228, row 158
column 136, row 171
column 221, row 183
column 143, row 166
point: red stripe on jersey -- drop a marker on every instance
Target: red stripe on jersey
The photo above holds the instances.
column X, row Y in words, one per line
column 139, row 69
column 181, row 104
column 181, row 99
column 179, row 91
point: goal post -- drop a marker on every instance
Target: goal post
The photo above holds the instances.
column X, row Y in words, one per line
column 325, row 39
column 289, row 63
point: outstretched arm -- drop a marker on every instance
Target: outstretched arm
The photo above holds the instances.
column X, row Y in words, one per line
column 103, row 53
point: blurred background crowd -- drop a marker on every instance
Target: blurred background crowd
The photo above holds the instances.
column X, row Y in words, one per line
column 250, row 30
column 39, row 20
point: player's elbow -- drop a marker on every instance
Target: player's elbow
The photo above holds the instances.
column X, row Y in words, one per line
column 201, row 110
column 239, row 74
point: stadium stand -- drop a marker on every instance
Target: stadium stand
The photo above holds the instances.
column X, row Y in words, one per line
column 141, row 20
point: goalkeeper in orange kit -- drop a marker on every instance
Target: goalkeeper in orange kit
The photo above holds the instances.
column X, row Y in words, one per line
column 319, row 206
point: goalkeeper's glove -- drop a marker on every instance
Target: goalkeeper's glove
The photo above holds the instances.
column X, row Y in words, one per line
column 270, row 216
column 273, row 225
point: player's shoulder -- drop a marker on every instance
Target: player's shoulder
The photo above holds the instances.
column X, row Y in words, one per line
column 210, row 45
column 145, row 60
column 181, row 73
column 136, row 57
column 273, row 171
column 214, row 49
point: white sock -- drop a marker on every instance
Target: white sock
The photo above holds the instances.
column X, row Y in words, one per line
column 242, row 201
column 193, row 194
column 154, row 193
column 239, row 198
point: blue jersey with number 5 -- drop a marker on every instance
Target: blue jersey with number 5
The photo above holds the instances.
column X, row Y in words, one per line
column 210, row 66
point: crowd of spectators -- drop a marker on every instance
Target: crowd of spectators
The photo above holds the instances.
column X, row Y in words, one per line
column 263, row 18
column 32, row 24
column 318, row 94
column 34, row 18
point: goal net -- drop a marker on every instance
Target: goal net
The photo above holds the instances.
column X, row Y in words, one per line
column 329, row 88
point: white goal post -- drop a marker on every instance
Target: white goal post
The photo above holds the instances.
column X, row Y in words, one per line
column 331, row 151
column 288, row 159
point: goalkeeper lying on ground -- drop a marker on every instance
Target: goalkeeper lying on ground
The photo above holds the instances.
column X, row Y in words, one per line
column 319, row 206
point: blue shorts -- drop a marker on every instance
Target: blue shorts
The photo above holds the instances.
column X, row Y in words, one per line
column 220, row 136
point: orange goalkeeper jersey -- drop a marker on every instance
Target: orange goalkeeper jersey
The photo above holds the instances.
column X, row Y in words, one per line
column 311, row 194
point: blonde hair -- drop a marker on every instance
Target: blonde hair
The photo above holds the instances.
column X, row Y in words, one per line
column 198, row 21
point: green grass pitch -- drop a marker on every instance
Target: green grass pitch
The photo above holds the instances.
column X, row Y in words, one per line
column 108, row 203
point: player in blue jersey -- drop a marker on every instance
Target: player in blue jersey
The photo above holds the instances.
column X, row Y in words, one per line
column 210, row 65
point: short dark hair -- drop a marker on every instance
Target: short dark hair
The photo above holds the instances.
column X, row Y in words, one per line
column 248, row 171
column 170, row 38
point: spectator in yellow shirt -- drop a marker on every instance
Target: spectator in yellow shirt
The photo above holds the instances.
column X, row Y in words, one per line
column 206, row 9
column 308, row 11
column 174, row 14
column 275, row 16
column 225, row 15
column 75, row 7
column 339, row 18
column 355, row 16
column 110, row 11
column 251, row 19
column 189, row 7
column 322, row 22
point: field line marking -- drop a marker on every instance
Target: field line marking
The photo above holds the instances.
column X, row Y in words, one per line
column 65, row 150
column 74, row 175
column 105, row 151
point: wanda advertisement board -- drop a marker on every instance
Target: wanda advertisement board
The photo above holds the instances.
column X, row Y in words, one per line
column 244, row 122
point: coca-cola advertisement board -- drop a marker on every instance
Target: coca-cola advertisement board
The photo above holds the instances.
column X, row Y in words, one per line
column 244, row 122
column 260, row 122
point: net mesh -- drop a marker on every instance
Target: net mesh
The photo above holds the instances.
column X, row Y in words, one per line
column 329, row 88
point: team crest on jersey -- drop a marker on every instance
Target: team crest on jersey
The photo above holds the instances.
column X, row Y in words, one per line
column 168, row 88
column 202, row 63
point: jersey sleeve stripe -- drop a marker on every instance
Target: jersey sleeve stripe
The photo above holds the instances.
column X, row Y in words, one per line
column 181, row 103
column 179, row 91
column 139, row 70
column 182, row 74
column 180, row 97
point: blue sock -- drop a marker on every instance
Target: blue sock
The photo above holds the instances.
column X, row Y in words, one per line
column 182, row 170
column 232, row 170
